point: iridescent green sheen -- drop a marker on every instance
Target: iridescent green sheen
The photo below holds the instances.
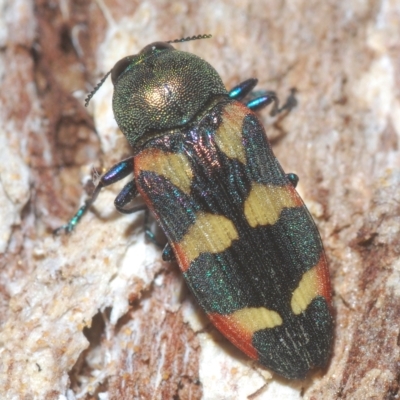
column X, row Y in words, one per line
column 308, row 347
column 161, row 90
column 172, row 103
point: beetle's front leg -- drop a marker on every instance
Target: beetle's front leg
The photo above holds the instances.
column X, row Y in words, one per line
column 114, row 174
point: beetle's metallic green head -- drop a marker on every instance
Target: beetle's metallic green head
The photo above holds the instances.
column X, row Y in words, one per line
column 159, row 89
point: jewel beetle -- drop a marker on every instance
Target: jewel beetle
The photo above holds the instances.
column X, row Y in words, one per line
column 243, row 238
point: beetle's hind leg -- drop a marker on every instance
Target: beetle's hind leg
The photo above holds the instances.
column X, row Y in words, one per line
column 167, row 254
column 293, row 178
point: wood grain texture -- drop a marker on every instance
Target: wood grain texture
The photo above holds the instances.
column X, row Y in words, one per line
column 342, row 140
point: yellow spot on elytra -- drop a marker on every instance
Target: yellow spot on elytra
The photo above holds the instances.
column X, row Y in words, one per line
column 229, row 134
column 173, row 166
column 307, row 290
column 209, row 234
column 265, row 203
column 254, row 319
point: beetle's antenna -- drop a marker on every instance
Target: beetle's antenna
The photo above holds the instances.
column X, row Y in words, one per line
column 97, row 87
column 190, row 38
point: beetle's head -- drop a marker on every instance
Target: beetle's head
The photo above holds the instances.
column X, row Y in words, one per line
column 161, row 89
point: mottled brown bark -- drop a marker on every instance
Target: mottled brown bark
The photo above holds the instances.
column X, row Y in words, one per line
column 97, row 311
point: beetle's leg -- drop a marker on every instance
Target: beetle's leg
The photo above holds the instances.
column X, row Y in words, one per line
column 168, row 254
column 267, row 97
column 243, row 89
column 129, row 193
column 262, row 100
column 293, row 178
column 148, row 232
column 125, row 196
column 114, row 174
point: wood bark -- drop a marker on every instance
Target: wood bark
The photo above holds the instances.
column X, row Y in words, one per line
column 97, row 312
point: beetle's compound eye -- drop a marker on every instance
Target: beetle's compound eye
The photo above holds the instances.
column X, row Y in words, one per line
column 119, row 68
column 156, row 46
